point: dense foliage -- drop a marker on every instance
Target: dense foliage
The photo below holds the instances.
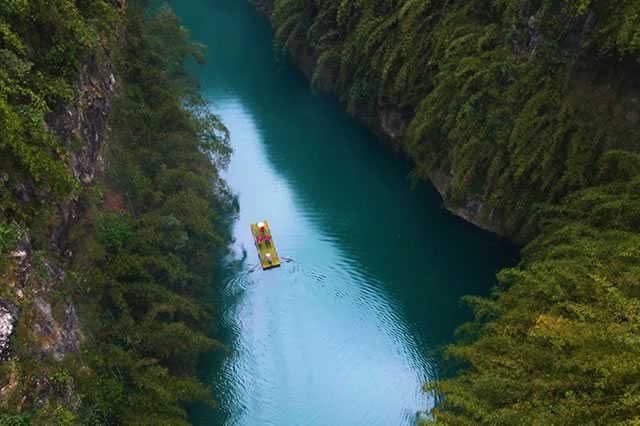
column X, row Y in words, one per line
column 559, row 342
column 520, row 102
column 43, row 48
column 533, row 109
column 142, row 248
column 41, row 45
column 154, row 245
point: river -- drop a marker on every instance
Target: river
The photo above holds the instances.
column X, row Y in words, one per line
column 346, row 334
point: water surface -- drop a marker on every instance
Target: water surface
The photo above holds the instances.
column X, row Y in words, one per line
column 345, row 334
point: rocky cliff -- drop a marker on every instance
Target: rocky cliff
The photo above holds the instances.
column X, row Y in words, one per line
column 36, row 313
column 390, row 123
column 505, row 109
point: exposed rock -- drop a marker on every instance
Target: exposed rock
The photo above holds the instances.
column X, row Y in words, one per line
column 72, row 334
column 82, row 127
column 64, row 389
column 535, row 38
column 472, row 210
column 84, row 121
column 527, row 36
column 56, row 338
column 393, row 123
column 8, row 318
column 9, row 385
column 21, row 257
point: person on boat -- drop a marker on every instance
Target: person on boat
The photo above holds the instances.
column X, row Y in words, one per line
column 267, row 239
column 259, row 239
column 268, row 257
column 261, row 226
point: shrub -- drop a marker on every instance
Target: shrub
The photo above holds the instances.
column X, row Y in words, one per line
column 8, row 237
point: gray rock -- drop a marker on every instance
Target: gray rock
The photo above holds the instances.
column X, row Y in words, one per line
column 8, row 318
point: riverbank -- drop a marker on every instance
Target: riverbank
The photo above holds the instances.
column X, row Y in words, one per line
column 526, row 119
column 351, row 324
column 390, row 122
column 109, row 248
column 376, row 73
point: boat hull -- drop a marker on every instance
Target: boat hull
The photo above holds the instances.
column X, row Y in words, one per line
column 265, row 247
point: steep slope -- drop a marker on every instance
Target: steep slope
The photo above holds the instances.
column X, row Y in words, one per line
column 111, row 210
column 57, row 81
column 505, row 105
column 526, row 117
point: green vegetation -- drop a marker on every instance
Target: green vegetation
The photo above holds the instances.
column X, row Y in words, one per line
column 558, row 343
column 147, row 233
column 533, row 109
column 11, row 420
column 8, row 237
column 484, row 82
column 152, row 254
column 41, row 44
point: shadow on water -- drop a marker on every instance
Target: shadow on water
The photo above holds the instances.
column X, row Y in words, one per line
column 345, row 334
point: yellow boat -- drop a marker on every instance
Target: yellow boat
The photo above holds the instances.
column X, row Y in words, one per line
column 264, row 244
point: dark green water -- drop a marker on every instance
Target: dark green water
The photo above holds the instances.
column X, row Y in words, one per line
column 343, row 336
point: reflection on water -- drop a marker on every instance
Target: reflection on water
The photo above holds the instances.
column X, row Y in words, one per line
column 319, row 338
column 344, row 334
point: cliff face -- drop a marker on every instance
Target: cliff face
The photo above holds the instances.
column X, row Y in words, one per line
column 8, row 316
column 80, row 342
column 532, row 107
column 34, row 305
column 390, row 123
column 506, row 109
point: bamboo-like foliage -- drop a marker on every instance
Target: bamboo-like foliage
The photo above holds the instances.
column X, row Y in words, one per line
column 150, row 262
column 530, row 107
column 483, row 82
column 140, row 273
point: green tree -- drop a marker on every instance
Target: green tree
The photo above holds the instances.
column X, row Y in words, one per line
column 528, row 107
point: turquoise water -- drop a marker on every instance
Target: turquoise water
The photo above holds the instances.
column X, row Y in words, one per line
column 345, row 334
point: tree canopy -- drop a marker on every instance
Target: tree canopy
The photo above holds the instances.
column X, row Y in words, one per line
column 147, row 232
column 531, row 108
column 152, row 258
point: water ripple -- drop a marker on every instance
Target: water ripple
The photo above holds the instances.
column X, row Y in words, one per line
column 342, row 335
